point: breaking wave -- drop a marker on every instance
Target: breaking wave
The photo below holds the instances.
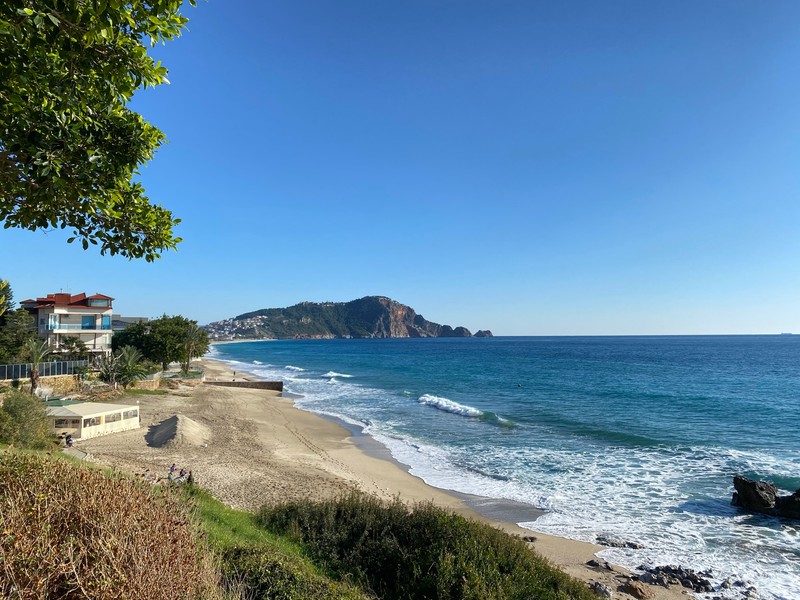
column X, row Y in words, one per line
column 449, row 406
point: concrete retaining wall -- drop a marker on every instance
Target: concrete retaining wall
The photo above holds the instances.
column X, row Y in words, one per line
column 275, row 386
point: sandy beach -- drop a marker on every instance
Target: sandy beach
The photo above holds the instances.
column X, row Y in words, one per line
column 251, row 447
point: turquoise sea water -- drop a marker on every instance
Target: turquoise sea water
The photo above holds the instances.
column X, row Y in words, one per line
column 633, row 437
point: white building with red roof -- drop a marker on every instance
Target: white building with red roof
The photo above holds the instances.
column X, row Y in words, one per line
column 86, row 317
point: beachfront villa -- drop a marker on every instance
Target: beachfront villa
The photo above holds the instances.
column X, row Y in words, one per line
column 86, row 317
column 84, row 420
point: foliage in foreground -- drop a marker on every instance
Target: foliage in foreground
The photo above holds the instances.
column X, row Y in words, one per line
column 259, row 565
column 70, row 148
column 71, row 532
column 24, row 422
column 425, row 552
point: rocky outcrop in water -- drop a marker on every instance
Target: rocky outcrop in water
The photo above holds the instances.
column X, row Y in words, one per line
column 483, row 333
column 762, row 497
column 369, row 317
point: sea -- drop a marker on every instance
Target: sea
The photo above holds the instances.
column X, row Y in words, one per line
column 635, row 439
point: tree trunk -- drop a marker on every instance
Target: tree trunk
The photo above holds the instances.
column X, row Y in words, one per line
column 34, row 380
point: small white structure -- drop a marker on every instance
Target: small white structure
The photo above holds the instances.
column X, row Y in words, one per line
column 86, row 420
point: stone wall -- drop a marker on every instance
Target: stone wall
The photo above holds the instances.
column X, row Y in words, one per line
column 275, row 386
column 61, row 384
column 148, row 384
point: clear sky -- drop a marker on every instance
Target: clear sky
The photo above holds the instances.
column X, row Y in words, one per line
column 534, row 168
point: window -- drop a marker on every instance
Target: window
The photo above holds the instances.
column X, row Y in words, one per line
column 91, row 422
column 130, row 414
column 113, row 418
column 63, row 423
column 87, row 322
column 98, row 302
column 106, row 322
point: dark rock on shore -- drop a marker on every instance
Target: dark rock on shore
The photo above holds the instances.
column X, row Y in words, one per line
column 614, row 542
column 762, row 497
column 668, row 575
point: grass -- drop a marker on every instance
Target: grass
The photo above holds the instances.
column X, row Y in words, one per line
column 135, row 392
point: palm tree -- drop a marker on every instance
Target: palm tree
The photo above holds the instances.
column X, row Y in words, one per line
column 196, row 337
column 129, row 365
column 36, row 351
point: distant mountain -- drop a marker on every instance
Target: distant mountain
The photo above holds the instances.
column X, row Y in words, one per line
column 369, row 317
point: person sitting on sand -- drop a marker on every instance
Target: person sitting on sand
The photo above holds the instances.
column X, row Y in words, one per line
column 190, row 478
column 173, row 468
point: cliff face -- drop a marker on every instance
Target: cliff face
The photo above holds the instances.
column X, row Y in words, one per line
column 369, row 317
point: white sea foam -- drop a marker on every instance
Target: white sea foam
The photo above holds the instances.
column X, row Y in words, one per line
column 293, row 368
column 335, row 374
column 257, row 362
column 636, row 494
column 448, row 405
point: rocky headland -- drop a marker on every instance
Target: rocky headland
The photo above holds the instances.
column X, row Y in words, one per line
column 368, row 317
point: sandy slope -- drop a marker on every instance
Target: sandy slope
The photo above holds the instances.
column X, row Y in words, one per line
column 251, row 447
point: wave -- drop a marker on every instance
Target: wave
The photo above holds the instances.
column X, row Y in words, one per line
column 448, row 405
column 257, row 362
column 293, row 368
column 335, row 374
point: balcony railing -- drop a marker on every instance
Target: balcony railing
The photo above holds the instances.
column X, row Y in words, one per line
column 77, row 327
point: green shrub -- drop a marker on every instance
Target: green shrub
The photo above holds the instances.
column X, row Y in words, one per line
column 24, row 422
column 263, row 573
column 67, row 531
column 402, row 553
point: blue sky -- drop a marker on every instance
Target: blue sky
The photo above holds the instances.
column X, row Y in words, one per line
column 535, row 168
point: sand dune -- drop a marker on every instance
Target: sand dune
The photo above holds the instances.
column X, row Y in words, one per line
column 177, row 431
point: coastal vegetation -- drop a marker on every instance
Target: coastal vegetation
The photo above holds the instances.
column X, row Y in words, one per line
column 24, row 422
column 72, row 532
column 179, row 542
column 165, row 340
column 16, row 326
column 395, row 551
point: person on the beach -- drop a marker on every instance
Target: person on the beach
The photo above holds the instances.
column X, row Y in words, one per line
column 190, row 478
column 173, row 468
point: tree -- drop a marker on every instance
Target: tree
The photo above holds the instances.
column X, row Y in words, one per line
column 133, row 335
column 166, row 341
column 108, row 369
column 6, row 297
column 195, row 344
column 69, row 145
column 130, row 367
column 24, row 421
column 16, row 328
column 35, row 351
column 74, row 348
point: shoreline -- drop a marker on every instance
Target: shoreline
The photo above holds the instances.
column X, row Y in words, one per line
column 252, row 447
column 570, row 555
